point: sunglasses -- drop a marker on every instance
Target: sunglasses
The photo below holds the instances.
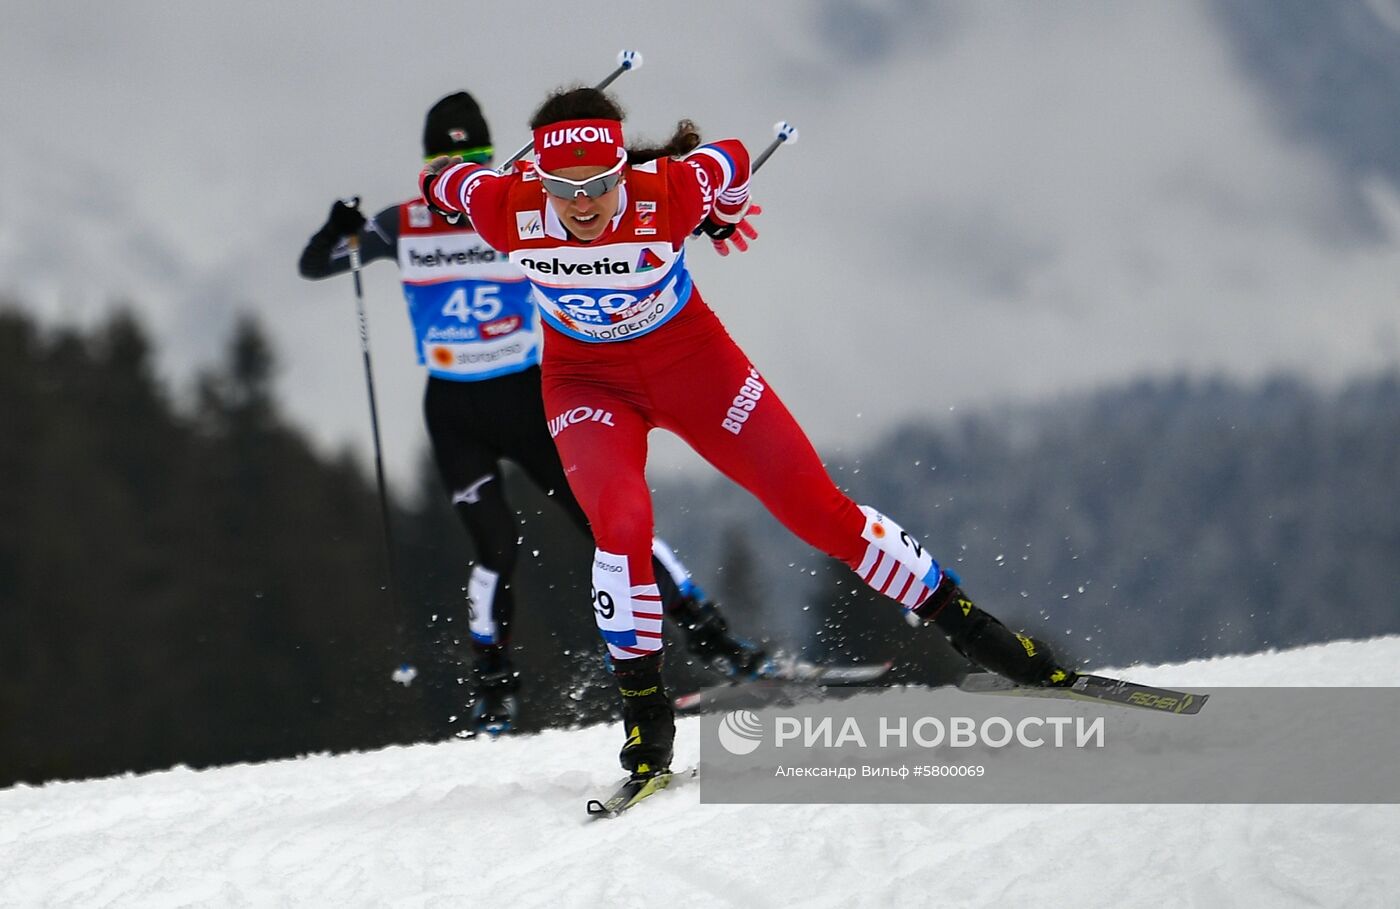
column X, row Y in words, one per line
column 593, row 187
column 482, row 154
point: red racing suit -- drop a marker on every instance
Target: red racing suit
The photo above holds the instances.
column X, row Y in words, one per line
column 630, row 345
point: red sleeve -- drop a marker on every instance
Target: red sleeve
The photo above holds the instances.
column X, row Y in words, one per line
column 712, row 181
column 480, row 193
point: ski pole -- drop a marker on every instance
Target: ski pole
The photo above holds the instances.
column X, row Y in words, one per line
column 626, row 60
column 405, row 673
column 782, row 132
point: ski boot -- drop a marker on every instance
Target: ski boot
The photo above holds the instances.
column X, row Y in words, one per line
column 707, row 637
column 988, row 643
column 647, row 717
column 496, row 705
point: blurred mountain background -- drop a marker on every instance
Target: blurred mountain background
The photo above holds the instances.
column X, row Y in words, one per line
column 196, row 585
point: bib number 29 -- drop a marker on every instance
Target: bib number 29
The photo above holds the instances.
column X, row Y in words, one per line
column 603, row 604
column 582, row 306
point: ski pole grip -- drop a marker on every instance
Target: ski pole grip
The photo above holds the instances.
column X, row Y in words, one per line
column 782, row 132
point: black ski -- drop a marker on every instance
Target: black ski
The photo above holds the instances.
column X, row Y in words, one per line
column 633, row 790
column 791, row 683
column 1092, row 688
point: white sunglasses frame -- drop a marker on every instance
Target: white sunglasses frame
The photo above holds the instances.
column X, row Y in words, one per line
column 580, row 187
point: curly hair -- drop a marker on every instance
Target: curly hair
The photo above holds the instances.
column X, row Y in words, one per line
column 583, row 103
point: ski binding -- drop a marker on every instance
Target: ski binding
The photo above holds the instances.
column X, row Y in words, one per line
column 631, row 791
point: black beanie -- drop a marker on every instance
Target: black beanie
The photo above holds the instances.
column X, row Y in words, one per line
column 454, row 125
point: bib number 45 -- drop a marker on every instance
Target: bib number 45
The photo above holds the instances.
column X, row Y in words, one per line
column 484, row 306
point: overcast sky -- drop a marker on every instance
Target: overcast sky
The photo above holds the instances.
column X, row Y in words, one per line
column 989, row 201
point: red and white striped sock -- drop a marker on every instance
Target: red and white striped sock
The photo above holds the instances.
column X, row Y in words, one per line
column 628, row 614
column 895, row 564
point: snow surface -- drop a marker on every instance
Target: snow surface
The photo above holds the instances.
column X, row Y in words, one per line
column 501, row 823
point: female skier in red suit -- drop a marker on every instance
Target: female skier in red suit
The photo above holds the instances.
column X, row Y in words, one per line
column 600, row 233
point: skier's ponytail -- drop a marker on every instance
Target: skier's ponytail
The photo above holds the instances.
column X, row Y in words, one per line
column 685, row 139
